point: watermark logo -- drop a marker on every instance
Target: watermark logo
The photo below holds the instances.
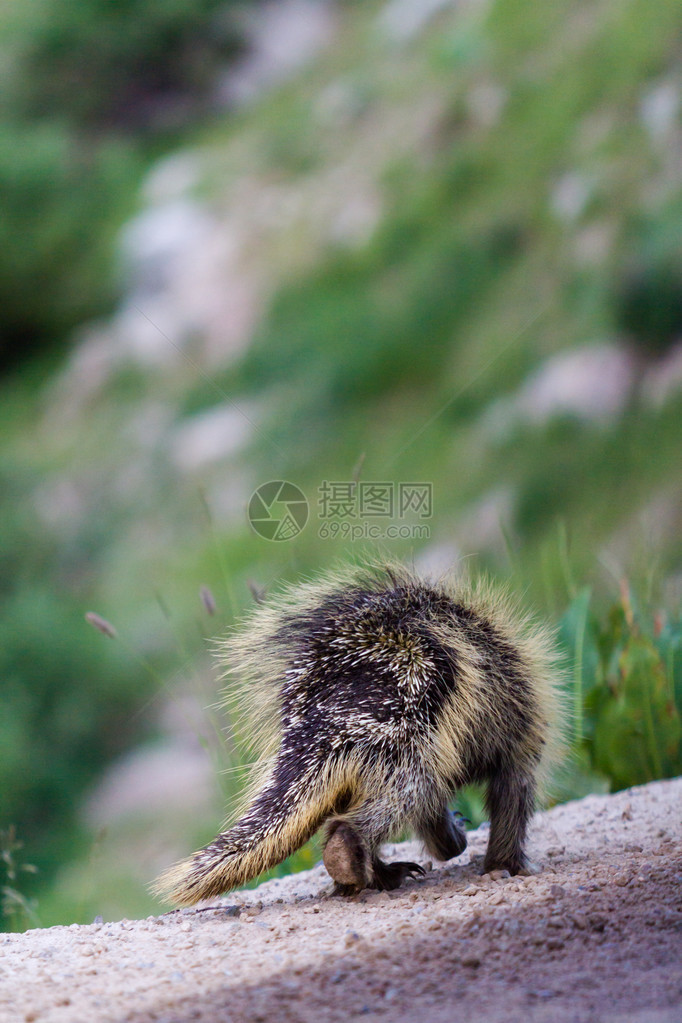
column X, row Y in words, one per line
column 278, row 510
column 347, row 509
column 374, row 510
column 372, row 500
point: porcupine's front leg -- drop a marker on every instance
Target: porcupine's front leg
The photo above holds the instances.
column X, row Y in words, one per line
column 443, row 834
column 510, row 799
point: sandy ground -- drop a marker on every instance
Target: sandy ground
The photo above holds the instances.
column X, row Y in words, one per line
column 595, row 936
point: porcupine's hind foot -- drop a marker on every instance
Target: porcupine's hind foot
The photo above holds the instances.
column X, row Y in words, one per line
column 348, row 862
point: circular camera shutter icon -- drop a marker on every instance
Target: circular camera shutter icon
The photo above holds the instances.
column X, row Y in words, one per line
column 278, row 510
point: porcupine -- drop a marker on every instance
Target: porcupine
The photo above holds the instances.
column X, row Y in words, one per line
column 378, row 696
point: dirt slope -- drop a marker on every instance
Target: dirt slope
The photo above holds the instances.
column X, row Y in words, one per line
column 596, row 936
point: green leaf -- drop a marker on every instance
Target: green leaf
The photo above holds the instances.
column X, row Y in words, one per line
column 578, row 639
column 638, row 730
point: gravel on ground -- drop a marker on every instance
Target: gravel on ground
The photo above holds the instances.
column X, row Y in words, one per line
column 594, row 937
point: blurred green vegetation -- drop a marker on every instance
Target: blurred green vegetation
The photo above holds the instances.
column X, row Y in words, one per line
column 90, row 93
column 626, row 688
column 16, row 910
column 62, row 201
column 409, row 350
column 100, row 63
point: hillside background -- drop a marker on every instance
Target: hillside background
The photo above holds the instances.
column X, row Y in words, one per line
column 359, row 247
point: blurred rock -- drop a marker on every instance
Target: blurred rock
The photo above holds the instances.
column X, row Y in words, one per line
column 89, row 366
column 174, row 774
column 190, row 280
column 571, row 195
column 485, row 103
column 211, row 436
column 591, row 383
column 660, row 107
column 152, row 337
column 340, row 103
column 479, row 527
column 155, row 241
column 283, row 37
column 355, row 221
column 402, row 20
column 173, row 177
column 593, row 243
column 434, row 561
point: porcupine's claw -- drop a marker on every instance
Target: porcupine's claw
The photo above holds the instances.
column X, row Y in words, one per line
column 389, row 876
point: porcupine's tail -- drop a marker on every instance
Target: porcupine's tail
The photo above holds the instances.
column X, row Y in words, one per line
column 301, row 792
